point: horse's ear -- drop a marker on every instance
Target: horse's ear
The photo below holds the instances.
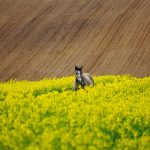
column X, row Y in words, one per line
column 79, row 67
column 76, row 67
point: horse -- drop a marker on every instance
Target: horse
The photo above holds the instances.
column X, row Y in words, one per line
column 83, row 79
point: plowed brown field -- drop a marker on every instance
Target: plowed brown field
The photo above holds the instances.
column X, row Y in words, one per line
column 46, row 38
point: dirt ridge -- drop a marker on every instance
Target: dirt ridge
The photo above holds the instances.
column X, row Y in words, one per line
column 40, row 39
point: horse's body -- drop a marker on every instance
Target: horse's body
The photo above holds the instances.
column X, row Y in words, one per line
column 83, row 79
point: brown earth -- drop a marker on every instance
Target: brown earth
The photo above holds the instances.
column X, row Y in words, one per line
column 40, row 39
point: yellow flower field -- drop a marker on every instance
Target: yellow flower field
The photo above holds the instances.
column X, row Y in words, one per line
column 49, row 115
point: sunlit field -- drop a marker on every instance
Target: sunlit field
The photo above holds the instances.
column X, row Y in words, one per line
column 49, row 115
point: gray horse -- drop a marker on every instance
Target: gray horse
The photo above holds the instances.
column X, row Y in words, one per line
column 82, row 79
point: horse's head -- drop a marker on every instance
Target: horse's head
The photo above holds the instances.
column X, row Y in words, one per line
column 78, row 74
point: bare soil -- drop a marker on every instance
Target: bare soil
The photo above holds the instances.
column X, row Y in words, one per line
column 40, row 39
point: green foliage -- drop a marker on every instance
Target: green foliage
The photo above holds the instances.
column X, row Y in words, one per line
column 47, row 114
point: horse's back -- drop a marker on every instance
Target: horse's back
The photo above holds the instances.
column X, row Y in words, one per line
column 89, row 78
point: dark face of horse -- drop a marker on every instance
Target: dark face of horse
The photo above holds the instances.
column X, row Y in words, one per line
column 78, row 74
